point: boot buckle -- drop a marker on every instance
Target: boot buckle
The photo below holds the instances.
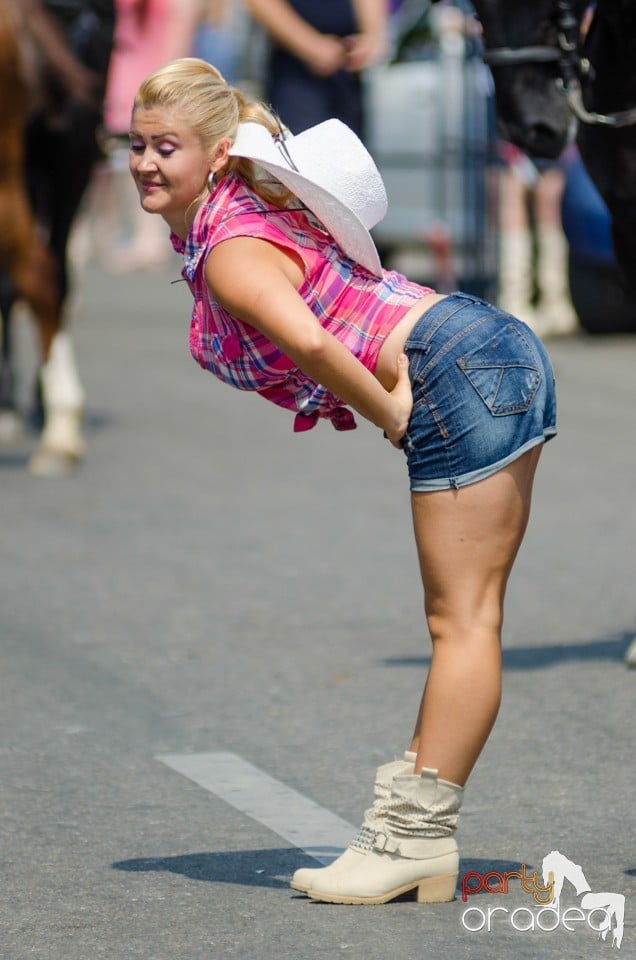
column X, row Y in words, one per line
column 380, row 841
column 386, row 844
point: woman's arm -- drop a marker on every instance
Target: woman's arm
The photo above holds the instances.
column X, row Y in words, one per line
column 368, row 45
column 322, row 53
column 77, row 80
column 257, row 282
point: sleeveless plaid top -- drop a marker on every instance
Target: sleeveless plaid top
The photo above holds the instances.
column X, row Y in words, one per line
column 356, row 307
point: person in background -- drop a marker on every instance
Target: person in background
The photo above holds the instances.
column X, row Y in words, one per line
column 217, row 37
column 319, row 49
column 147, row 34
column 533, row 249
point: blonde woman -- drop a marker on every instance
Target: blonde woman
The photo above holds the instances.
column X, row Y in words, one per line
column 291, row 302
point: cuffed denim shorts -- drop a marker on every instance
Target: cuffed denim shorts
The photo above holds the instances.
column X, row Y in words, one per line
column 483, row 393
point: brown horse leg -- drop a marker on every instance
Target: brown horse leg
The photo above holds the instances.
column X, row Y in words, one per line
column 35, row 284
column 61, row 445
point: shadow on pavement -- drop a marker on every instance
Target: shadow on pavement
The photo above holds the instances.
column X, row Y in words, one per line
column 269, row 868
column 11, row 460
column 253, row 868
column 539, row 657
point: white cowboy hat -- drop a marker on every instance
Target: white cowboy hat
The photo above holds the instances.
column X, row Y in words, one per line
column 328, row 168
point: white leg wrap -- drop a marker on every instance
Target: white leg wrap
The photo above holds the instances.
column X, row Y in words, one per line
column 63, row 398
column 61, row 384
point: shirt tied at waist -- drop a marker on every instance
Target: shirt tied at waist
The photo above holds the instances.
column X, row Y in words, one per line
column 341, row 418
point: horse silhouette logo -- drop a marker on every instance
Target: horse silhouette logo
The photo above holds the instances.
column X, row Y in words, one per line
column 557, row 869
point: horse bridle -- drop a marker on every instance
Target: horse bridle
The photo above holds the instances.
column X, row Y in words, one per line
column 571, row 66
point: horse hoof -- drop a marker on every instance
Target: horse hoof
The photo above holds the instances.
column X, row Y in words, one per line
column 11, row 427
column 52, row 463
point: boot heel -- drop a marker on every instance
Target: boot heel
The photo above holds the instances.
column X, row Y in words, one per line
column 437, row 889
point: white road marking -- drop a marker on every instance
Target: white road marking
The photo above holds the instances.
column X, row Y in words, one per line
column 294, row 817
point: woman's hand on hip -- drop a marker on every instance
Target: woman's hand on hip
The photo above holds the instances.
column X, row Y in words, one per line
column 402, row 396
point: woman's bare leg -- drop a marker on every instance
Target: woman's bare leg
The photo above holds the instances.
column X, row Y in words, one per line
column 467, row 541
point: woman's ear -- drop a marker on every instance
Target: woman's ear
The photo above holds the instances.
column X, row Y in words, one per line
column 221, row 155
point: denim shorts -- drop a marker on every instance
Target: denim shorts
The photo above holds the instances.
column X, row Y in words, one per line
column 483, row 393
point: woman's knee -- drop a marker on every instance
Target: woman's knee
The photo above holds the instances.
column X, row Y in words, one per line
column 465, row 625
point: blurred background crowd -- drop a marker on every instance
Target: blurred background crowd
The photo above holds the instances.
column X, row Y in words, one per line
column 465, row 209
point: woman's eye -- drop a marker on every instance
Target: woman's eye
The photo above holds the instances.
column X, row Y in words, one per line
column 164, row 151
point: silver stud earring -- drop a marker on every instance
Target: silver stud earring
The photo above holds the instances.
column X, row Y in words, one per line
column 211, row 181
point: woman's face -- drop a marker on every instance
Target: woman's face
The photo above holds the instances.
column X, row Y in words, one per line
column 169, row 165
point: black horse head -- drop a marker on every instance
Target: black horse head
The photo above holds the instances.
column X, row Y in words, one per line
column 548, row 67
column 527, row 47
column 609, row 150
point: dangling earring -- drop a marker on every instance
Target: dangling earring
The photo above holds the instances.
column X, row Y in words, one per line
column 211, row 181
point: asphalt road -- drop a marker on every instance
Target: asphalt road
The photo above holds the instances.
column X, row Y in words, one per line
column 208, row 582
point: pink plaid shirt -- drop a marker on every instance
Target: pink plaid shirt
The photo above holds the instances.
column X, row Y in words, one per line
column 356, row 307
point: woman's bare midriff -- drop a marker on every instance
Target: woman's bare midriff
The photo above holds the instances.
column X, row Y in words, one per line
column 386, row 368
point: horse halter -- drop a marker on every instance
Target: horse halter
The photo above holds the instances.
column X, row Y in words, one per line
column 571, row 66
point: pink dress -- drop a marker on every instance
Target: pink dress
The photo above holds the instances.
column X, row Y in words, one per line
column 148, row 34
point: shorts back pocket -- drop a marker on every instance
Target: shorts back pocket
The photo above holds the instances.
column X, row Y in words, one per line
column 504, row 371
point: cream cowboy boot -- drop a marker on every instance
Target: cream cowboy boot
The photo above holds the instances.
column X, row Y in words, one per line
column 415, row 851
column 373, row 821
column 555, row 313
column 516, row 275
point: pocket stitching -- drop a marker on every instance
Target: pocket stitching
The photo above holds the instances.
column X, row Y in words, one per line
column 499, row 410
column 532, row 365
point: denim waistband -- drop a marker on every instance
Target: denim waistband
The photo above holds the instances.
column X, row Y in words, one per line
column 438, row 314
